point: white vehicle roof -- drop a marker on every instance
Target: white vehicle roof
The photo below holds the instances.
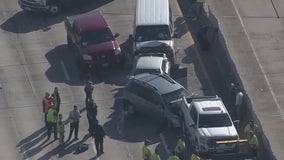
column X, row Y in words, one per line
column 149, row 62
column 152, row 12
column 210, row 106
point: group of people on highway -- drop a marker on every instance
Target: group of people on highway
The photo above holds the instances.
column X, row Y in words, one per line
column 251, row 131
column 54, row 120
column 177, row 154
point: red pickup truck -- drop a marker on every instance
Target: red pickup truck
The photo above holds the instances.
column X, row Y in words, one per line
column 95, row 43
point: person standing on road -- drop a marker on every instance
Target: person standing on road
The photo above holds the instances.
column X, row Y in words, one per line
column 238, row 103
column 57, row 100
column 155, row 155
column 51, row 122
column 180, row 147
column 253, row 143
column 251, row 126
column 173, row 157
column 146, row 150
column 89, row 88
column 99, row 135
column 60, row 129
column 46, row 103
column 74, row 122
column 92, row 111
column 195, row 156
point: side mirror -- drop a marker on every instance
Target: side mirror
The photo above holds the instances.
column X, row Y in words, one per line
column 236, row 121
column 116, row 35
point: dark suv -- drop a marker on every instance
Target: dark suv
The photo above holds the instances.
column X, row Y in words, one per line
column 154, row 95
column 93, row 39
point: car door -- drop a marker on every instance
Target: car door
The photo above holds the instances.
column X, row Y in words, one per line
column 193, row 130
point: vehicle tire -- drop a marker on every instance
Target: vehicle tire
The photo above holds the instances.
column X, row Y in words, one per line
column 82, row 66
column 69, row 42
column 53, row 9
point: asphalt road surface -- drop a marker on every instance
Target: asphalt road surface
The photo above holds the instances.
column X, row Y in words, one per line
column 35, row 58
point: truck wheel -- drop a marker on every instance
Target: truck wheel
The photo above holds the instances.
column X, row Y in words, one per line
column 53, row 9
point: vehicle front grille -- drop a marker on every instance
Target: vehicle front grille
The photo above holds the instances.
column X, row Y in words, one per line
column 102, row 57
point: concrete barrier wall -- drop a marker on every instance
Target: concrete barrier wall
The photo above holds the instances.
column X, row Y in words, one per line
column 214, row 22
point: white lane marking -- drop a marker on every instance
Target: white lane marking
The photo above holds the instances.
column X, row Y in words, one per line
column 64, row 71
column 94, row 148
column 164, row 143
column 258, row 61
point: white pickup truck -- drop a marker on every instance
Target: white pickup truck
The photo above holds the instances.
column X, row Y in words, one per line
column 207, row 122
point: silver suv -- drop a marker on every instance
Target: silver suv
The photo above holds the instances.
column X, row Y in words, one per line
column 154, row 95
column 151, row 63
column 208, row 122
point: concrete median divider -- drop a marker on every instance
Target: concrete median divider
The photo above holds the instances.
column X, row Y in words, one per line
column 233, row 75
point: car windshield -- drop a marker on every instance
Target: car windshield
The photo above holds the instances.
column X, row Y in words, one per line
column 149, row 33
column 175, row 95
column 140, row 71
column 214, row 120
column 97, row 36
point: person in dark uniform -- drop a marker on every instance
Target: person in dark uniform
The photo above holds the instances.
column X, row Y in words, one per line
column 56, row 97
column 99, row 135
column 92, row 111
column 89, row 88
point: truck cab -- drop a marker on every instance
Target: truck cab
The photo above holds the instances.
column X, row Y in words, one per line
column 93, row 40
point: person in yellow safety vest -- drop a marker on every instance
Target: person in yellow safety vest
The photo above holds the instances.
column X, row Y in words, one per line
column 155, row 155
column 51, row 122
column 146, row 150
column 195, row 156
column 180, row 147
column 60, row 129
column 250, row 127
column 253, row 143
column 173, row 157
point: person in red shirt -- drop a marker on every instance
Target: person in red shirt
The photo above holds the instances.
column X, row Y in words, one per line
column 46, row 103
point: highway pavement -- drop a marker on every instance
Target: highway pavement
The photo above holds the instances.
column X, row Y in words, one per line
column 35, row 58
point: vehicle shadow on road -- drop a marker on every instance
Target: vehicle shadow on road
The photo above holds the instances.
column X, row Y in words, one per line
column 64, row 69
column 24, row 22
column 199, row 70
column 133, row 130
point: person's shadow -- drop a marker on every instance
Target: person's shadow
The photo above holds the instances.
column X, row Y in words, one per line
column 28, row 142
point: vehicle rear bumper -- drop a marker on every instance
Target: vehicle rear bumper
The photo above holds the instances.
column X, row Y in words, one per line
column 33, row 7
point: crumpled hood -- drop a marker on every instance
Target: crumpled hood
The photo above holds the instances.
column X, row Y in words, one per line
column 102, row 47
column 218, row 131
column 153, row 44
